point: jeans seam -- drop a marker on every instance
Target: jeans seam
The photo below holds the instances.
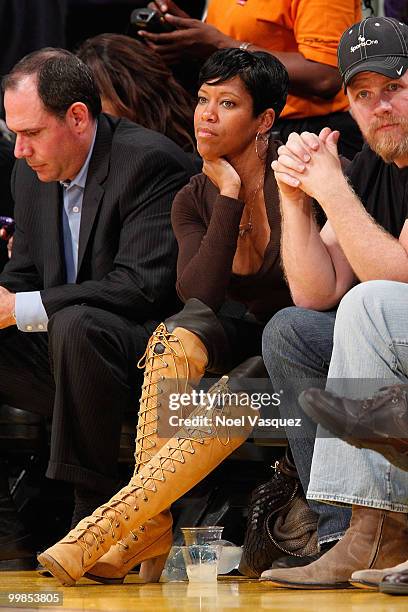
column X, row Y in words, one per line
column 358, row 501
column 392, row 347
column 394, row 362
column 387, row 477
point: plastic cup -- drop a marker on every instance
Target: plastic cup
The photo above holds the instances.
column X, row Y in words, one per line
column 201, row 535
column 230, row 556
column 201, row 562
column 175, row 567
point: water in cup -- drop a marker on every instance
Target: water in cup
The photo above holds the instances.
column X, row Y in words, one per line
column 201, row 562
column 202, row 573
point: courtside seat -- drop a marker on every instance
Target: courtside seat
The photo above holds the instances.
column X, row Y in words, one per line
column 21, row 432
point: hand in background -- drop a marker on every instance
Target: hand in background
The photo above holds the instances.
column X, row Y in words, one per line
column 167, row 6
column 191, row 39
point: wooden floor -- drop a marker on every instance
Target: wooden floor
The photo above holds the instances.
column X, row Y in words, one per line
column 227, row 594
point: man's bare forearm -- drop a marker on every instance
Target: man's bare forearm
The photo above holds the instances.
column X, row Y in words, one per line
column 372, row 252
column 308, row 266
column 306, row 78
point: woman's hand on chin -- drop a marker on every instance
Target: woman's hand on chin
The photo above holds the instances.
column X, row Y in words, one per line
column 223, row 175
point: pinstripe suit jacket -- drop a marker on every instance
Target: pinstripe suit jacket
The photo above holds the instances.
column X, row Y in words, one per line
column 127, row 250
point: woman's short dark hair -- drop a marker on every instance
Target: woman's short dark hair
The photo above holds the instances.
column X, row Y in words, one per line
column 264, row 76
column 139, row 86
column 62, row 79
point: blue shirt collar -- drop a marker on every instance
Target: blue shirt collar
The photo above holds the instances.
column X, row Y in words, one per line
column 80, row 179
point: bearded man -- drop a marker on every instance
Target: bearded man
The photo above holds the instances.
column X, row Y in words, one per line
column 340, row 331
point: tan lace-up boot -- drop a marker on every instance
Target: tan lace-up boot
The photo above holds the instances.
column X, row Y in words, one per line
column 181, row 358
column 175, row 469
column 176, row 358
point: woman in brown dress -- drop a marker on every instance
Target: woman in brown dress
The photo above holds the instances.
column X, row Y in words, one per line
column 227, row 225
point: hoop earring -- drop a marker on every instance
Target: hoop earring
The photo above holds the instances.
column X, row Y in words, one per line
column 261, row 145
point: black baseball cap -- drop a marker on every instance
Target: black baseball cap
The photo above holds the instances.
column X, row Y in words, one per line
column 375, row 44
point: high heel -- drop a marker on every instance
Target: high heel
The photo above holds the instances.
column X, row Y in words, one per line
column 115, row 565
column 151, row 569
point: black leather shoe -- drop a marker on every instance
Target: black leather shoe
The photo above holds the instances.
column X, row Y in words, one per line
column 16, row 551
column 292, row 561
column 379, row 423
column 259, row 549
column 395, row 583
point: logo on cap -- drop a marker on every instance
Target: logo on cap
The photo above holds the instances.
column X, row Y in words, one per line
column 363, row 43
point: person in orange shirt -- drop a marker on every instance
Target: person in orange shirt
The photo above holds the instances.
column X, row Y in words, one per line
column 302, row 34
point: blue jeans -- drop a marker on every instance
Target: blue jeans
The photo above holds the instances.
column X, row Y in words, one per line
column 370, row 345
column 297, row 347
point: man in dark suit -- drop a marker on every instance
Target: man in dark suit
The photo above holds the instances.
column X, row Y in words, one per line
column 6, row 200
column 93, row 265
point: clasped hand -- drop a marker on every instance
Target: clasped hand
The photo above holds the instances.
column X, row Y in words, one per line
column 308, row 163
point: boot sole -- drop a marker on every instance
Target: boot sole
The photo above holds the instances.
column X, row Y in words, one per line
column 104, row 580
column 390, row 453
column 298, row 585
column 386, row 450
column 363, row 584
column 56, row 569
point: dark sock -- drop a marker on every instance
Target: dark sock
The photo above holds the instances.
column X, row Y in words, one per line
column 327, row 546
column 86, row 502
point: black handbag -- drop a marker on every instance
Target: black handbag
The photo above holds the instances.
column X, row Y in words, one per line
column 279, row 523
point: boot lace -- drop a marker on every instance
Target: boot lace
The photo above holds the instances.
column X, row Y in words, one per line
column 106, row 518
column 155, row 362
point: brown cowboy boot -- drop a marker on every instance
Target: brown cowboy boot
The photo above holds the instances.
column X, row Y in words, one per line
column 187, row 458
column 181, row 358
column 375, row 539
